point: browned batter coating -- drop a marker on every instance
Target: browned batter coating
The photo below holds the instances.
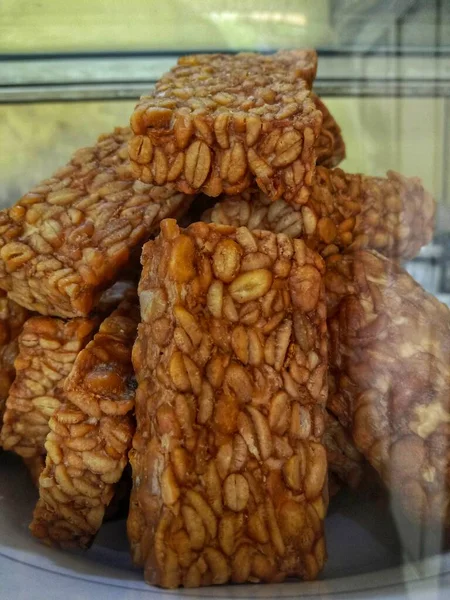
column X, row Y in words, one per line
column 12, row 319
column 66, row 240
column 393, row 215
column 216, row 123
column 90, row 435
column 48, row 348
column 229, row 471
column 389, row 362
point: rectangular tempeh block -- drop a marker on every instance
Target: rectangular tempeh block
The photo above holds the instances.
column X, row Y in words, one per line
column 216, row 122
column 66, row 240
column 48, row 348
column 90, row 435
column 12, row 319
column 389, row 364
column 229, row 470
column 393, row 215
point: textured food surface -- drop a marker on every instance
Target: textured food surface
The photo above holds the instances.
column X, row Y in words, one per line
column 216, row 123
column 393, row 215
column 90, row 435
column 66, row 239
column 330, row 145
column 389, row 362
column 48, row 348
column 229, row 471
column 12, row 319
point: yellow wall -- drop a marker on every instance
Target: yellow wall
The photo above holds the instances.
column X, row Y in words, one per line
column 105, row 25
column 404, row 134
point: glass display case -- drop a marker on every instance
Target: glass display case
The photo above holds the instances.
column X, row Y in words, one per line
column 72, row 71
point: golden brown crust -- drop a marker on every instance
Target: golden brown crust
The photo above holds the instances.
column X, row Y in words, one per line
column 48, row 348
column 90, row 434
column 66, row 240
column 229, row 472
column 330, row 145
column 216, row 123
column 393, row 215
column 390, row 351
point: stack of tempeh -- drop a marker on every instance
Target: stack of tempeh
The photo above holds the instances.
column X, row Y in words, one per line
column 239, row 401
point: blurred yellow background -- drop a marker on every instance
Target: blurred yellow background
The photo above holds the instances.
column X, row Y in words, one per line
column 108, row 25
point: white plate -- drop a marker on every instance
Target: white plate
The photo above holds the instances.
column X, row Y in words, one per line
column 372, row 555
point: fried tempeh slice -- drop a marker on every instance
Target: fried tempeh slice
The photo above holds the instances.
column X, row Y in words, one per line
column 12, row 319
column 48, row 348
column 393, row 215
column 330, row 145
column 229, row 471
column 87, row 447
column 66, row 240
column 389, row 358
column 216, row 122
column 102, row 382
